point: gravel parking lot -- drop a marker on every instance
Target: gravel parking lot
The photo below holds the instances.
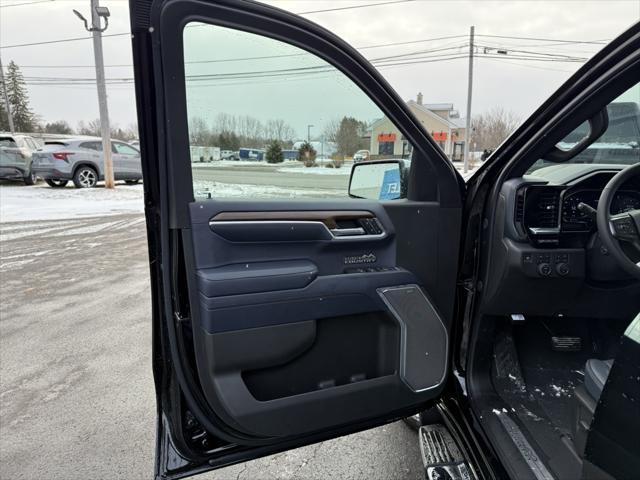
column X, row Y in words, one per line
column 76, row 392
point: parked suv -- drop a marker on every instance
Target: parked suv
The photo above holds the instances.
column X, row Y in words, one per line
column 81, row 160
column 361, row 156
column 16, row 153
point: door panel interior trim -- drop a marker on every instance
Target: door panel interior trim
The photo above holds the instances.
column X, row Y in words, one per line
column 290, row 231
column 423, row 337
column 329, row 217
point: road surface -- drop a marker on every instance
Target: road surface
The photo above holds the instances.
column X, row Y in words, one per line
column 76, row 392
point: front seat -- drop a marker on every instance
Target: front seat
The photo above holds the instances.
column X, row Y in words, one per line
column 586, row 398
column 595, row 376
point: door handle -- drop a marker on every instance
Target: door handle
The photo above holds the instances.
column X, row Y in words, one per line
column 347, row 232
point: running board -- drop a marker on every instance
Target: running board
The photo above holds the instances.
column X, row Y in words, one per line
column 441, row 457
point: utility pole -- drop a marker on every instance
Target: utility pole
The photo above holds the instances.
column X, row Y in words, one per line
column 309, row 133
column 7, row 105
column 467, row 130
column 96, row 29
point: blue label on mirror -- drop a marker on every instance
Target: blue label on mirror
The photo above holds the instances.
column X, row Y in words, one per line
column 390, row 189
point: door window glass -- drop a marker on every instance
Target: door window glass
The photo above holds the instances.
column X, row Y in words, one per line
column 270, row 120
column 124, row 149
column 31, row 143
column 97, row 146
column 385, row 148
column 8, row 142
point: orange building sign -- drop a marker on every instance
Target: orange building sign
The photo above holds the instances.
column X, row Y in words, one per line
column 439, row 136
column 386, row 137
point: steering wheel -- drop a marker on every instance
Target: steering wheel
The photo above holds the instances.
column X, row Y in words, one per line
column 620, row 228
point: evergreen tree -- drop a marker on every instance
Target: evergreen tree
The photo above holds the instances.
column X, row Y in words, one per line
column 274, row 152
column 23, row 118
column 349, row 136
column 307, row 154
column 4, row 121
column 59, row 127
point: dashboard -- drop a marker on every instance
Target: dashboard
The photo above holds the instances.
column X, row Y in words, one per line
column 576, row 219
column 549, row 212
column 546, row 258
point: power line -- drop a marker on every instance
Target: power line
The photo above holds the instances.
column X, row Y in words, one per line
column 263, row 57
column 62, row 40
column 237, row 75
column 403, row 59
column 531, row 58
column 354, row 7
column 596, row 42
column 537, row 67
column 25, row 3
column 529, row 52
column 48, row 42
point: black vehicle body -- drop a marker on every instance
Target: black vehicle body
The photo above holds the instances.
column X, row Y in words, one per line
column 202, row 423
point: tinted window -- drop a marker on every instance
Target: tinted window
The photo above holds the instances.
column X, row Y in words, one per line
column 92, row 146
column 32, row 143
column 124, row 149
column 294, row 120
column 8, row 142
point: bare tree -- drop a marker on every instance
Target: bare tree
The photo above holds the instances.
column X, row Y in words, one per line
column 225, row 122
column 490, row 129
column 330, row 131
column 198, row 131
column 91, row 128
column 278, row 129
column 132, row 131
column 251, row 130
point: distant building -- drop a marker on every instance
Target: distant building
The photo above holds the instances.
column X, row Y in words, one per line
column 440, row 120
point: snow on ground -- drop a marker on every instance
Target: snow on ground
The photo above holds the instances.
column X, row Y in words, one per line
column 316, row 170
column 236, row 190
column 41, row 202
column 239, row 163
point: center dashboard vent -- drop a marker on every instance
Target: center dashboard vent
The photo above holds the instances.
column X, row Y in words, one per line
column 542, row 207
column 548, row 209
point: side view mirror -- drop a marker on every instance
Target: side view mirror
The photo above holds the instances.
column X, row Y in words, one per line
column 379, row 180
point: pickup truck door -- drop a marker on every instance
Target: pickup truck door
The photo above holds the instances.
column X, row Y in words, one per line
column 284, row 313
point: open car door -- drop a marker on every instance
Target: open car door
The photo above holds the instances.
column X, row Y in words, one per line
column 285, row 311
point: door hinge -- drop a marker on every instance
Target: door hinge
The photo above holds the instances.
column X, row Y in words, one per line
column 179, row 318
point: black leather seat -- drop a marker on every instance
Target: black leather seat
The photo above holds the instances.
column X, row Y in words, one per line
column 595, row 376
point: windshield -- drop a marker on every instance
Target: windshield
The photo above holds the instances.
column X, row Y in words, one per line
column 618, row 145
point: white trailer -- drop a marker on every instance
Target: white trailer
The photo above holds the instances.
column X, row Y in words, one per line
column 204, row 154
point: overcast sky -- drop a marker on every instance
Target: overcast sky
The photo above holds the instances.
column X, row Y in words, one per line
column 517, row 85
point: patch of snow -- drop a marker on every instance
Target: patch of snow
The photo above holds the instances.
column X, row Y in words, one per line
column 532, row 415
column 226, row 190
column 239, row 163
column 41, row 202
column 316, row 170
column 15, row 264
column 558, row 391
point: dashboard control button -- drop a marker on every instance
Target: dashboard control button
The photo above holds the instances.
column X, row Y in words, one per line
column 563, row 269
column 544, row 269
